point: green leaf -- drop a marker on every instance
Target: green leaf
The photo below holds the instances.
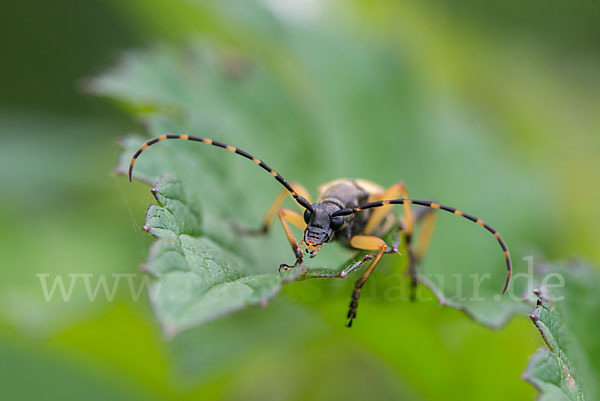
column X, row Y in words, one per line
column 255, row 102
column 196, row 277
column 566, row 317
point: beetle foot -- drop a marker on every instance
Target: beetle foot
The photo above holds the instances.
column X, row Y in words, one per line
column 284, row 267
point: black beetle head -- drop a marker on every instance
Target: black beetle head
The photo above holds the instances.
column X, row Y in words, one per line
column 320, row 226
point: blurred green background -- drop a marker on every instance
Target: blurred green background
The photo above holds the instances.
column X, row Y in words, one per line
column 489, row 107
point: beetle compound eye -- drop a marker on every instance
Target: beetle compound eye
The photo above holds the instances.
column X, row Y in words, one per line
column 337, row 222
column 307, row 214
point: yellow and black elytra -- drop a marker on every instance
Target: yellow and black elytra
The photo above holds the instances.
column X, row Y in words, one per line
column 353, row 212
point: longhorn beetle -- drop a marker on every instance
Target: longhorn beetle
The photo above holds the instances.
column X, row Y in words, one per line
column 354, row 212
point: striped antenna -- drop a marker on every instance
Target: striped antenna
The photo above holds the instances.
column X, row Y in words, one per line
column 301, row 201
column 347, row 211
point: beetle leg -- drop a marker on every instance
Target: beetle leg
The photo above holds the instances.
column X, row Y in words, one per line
column 346, row 271
column 414, row 256
column 428, row 224
column 369, row 243
column 398, row 190
column 296, row 219
column 268, row 220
